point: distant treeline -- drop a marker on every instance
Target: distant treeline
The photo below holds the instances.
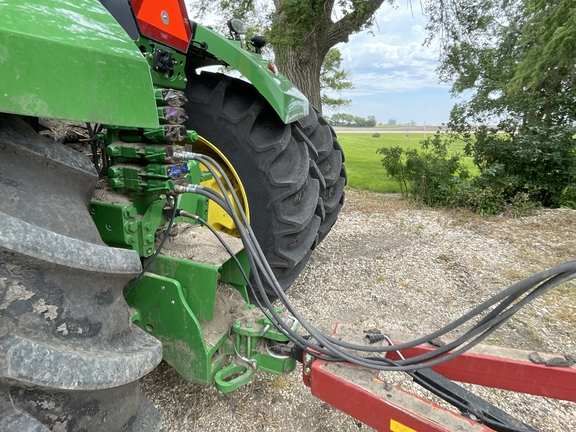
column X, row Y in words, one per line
column 340, row 119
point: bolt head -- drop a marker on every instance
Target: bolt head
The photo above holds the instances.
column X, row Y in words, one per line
column 165, row 18
column 307, row 370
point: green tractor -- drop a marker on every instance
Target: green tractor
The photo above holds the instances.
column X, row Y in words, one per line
column 113, row 259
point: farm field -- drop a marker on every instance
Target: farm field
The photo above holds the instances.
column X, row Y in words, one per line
column 365, row 172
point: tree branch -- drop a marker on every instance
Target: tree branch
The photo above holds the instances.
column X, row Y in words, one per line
column 353, row 22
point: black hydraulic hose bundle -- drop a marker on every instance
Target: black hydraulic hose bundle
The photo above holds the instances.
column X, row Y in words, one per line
column 320, row 345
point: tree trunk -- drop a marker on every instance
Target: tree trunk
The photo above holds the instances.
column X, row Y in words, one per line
column 302, row 62
column 302, row 66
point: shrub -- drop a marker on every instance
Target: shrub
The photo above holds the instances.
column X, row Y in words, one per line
column 522, row 205
column 482, row 200
column 394, row 164
column 430, row 175
column 519, row 172
column 568, row 198
column 538, row 161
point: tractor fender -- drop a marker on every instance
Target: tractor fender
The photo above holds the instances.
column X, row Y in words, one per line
column 288, row 102
column 72, row 61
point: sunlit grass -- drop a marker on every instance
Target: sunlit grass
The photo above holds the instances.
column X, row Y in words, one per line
column 365, row 171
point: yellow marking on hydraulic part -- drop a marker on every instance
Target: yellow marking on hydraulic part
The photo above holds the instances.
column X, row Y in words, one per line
column 217, row 217
column 399, row 427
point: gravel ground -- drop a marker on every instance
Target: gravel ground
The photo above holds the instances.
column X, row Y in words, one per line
column 389, row 264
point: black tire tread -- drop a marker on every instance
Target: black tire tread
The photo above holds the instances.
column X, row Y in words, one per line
column 291, row 173
column 78, row 367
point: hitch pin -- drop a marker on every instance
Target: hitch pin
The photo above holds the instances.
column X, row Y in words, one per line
column 264, row 330
column 290, row 322
column 391, row 344
column 252, row 362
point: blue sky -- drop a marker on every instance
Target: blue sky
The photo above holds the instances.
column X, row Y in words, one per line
column 393, row 73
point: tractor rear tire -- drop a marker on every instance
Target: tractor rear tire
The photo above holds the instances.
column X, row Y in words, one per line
column 70, row 359
column 292, row 174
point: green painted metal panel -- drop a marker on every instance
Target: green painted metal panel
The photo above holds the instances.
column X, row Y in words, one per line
column 275, row 365
column 175, row 79
column 71, row 60
column 163, row 311
column 129, row 226
column 199, row 282
column 169, row 306
column 287, row 100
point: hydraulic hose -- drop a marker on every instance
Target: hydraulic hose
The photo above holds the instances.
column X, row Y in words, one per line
column 503, row 304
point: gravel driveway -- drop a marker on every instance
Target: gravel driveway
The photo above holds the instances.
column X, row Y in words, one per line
column 390, row 264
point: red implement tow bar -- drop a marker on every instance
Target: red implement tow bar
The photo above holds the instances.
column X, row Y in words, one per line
column 360, row 392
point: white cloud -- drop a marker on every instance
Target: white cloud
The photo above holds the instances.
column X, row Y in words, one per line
column 418, row 30
column 392, row 72
column 392, row 81
column 394, row 58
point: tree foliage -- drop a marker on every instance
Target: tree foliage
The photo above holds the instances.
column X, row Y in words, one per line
column 515, row 60
column 332, row 77
column 548, row 42
column 343, row 119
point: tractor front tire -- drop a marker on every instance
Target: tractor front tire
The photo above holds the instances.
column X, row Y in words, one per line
column 70, row 359
column 292, row 174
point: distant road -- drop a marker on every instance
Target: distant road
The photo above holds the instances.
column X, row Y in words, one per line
column 387, row 129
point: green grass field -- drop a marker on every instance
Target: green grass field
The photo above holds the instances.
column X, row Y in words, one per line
column 363, row 163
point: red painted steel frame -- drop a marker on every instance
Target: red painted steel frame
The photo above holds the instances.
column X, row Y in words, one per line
column 485, row 365
column 503, row 368
column 379, row 412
